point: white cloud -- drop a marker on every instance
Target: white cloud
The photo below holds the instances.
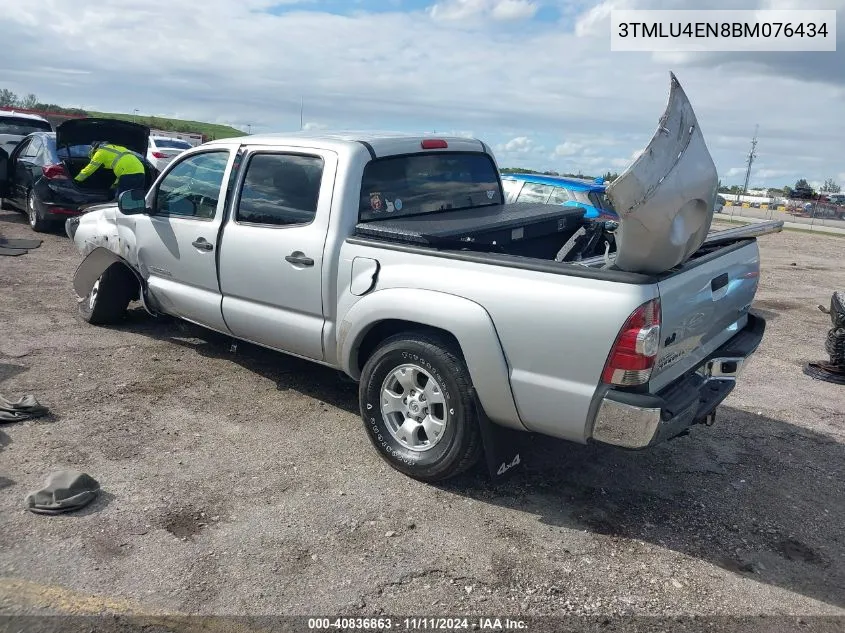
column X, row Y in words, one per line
column 556, row 84
column 311, row 125
column 513, row 9
column 518, row 145
column 568, row 148
column 473, row 9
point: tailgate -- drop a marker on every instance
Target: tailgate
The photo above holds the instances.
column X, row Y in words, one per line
column 702, row 306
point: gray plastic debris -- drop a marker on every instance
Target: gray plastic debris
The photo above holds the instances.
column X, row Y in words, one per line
column 64, row 491
column 23, row 408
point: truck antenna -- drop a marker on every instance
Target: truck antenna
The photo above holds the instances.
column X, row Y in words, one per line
column 301, row 106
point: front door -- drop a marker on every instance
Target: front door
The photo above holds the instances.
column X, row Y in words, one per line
column 271, row 257
column 177, row 242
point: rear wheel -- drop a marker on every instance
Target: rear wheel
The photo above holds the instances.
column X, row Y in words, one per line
column 416, row 402
column 37, row 221
column 108, row 298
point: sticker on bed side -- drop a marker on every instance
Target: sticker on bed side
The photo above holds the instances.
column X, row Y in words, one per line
column 376, row 202
column 390, row 207
column 397, row 204
column 490, row 194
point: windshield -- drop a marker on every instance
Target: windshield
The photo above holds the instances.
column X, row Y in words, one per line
column 166, row 142
column 74, row 151
column 427, row 183
column 21, row 127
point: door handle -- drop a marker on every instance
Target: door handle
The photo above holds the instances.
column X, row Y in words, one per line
column 299, row 259
column 202, row 244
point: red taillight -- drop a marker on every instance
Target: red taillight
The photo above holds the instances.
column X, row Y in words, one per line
column 434, row 143
column 55, row 172
column 631, row 359
column 159, row 155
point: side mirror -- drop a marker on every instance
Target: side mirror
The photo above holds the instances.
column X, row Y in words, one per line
column 132, row 202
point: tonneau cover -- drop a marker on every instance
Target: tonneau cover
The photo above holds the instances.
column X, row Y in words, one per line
column 500, row 222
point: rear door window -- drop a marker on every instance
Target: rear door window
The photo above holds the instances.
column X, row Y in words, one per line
column 31, row 150
column 532, row 192
column 280, row 190
column 561, row 195
column 427, row 183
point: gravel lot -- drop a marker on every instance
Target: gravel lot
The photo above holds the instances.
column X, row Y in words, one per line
column 243, row 483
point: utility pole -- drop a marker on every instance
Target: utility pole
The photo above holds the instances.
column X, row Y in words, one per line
column 751, row 156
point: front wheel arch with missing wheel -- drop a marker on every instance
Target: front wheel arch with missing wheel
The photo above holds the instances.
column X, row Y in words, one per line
column 109, row 295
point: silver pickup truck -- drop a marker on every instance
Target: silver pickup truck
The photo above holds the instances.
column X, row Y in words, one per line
column 393, row 259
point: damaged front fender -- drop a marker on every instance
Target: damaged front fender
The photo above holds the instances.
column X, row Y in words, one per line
column 95, row 264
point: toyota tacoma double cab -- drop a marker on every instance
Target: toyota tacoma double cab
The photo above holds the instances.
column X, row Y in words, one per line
column 395, row 259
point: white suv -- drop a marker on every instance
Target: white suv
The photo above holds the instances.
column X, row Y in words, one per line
column 163, row 149
column 16, row 125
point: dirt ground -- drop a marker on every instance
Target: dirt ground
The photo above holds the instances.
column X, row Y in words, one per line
column 242, row 482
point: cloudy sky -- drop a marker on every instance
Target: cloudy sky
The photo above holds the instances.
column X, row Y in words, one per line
column 535, row 78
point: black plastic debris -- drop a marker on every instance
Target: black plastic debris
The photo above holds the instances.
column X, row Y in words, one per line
column 834, row 370
column 12, row 247
column 21, row 409
column 64, row 491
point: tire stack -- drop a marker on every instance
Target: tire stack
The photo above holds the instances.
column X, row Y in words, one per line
column 834, row 370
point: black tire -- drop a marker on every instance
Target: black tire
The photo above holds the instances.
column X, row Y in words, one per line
column 458, row 447
column 108, row 298
column 35, row 216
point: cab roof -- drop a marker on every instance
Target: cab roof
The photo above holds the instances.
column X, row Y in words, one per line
column 381, row 143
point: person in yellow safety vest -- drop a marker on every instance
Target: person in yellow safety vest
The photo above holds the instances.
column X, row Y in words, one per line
column 128, row 169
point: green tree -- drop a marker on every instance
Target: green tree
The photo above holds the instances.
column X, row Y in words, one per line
column 29, row 102
column 802, row 183
column 8, row 98
column 830, row 186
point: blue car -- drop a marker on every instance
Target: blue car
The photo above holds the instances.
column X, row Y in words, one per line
column 570, row 192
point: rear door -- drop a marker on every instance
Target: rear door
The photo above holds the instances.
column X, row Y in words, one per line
column 26, row 168
column 5, row 179
column 271, row 255
column 703, row 306
column 177, row 243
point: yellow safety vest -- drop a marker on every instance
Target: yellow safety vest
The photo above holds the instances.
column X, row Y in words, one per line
column 115, row 158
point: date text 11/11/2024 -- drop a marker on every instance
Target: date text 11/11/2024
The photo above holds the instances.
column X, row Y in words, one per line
column 416, row 624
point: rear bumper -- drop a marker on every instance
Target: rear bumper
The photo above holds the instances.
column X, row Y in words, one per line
column 639, row 420
column 63, row 198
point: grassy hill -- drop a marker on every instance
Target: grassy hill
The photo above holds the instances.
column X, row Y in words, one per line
column 211, row 130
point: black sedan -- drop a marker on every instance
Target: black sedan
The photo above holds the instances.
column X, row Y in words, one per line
column 38, row 176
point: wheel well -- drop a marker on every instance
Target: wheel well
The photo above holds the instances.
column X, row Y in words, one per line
column 384, row 329
column 129, row 276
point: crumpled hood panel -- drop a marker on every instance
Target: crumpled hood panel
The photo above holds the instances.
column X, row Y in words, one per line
column 665, row 199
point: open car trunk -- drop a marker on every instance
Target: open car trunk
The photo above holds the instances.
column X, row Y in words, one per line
column 74, row 135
